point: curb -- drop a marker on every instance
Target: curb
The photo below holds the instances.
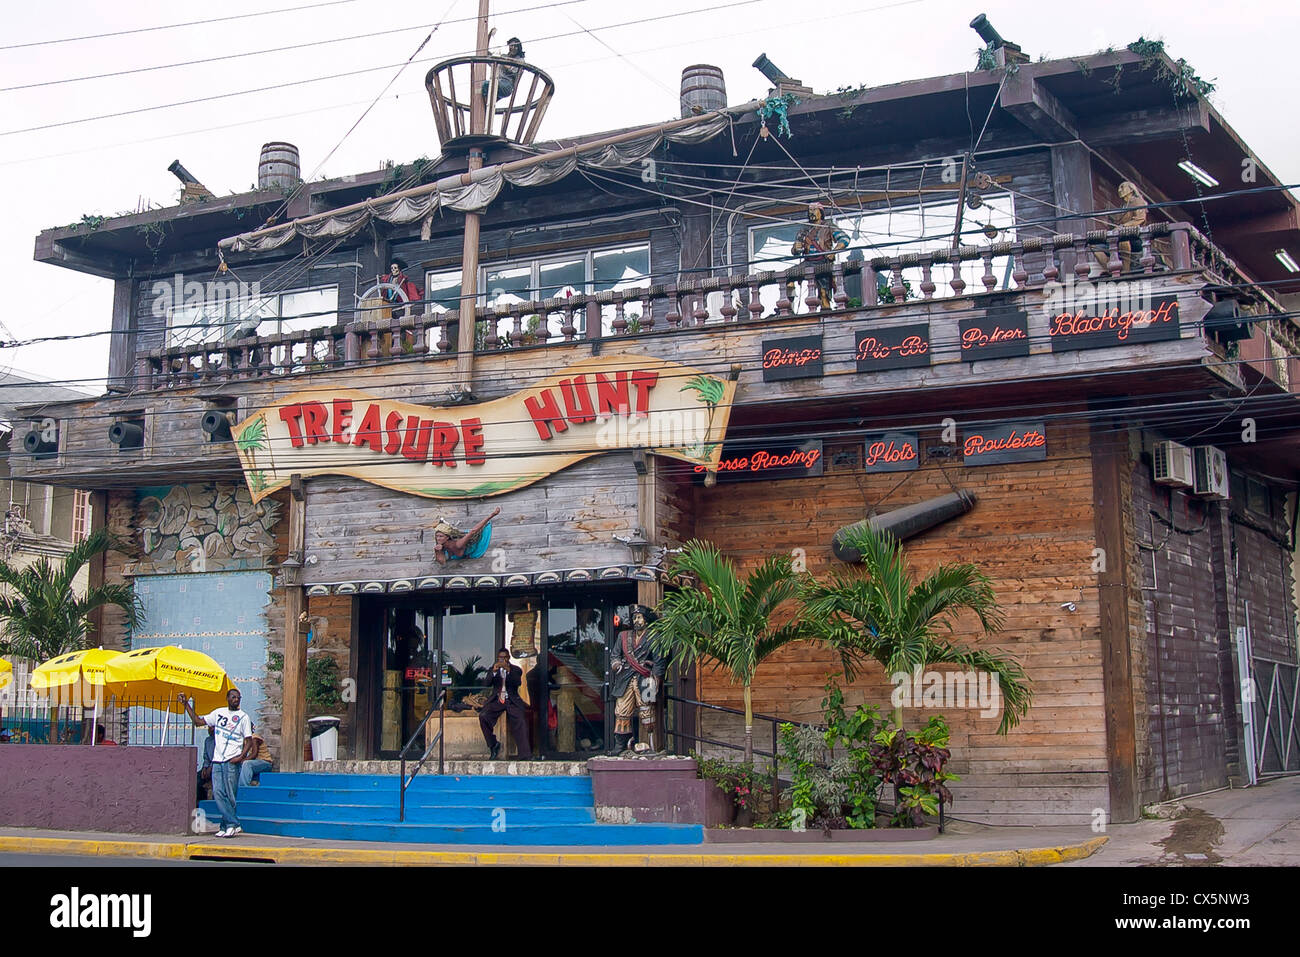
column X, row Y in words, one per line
column 186, row 850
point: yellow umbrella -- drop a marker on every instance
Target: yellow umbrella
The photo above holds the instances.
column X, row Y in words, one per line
column 76, row 678
column 5, row 672
column 163, row 673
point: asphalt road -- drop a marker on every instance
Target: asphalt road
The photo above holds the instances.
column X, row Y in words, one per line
column 53, row 860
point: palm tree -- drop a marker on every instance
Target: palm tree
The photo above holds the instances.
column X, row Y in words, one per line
column 43, row 616
column 726, row 620
column 880, row 613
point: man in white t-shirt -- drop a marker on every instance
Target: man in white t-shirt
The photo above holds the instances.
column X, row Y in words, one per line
column 233, row 730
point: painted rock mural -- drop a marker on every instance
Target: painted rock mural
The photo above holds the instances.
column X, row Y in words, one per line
column 204, row 527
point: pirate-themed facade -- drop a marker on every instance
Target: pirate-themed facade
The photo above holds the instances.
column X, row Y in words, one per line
column 1102, row 416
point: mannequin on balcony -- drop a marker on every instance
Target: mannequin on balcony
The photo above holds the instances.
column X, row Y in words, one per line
column 397, row 279
column 1134, row 214
column 817, row 243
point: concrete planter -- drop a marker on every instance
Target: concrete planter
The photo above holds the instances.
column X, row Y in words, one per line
column 132, row 790
column 660, row 790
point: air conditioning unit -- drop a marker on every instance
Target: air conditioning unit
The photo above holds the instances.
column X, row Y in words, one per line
column 1173, row 464
column 1210, row 466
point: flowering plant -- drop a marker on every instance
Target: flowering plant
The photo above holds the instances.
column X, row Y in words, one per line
column 737, row 780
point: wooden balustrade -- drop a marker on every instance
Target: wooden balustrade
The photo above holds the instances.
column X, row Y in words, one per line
column 695, row 303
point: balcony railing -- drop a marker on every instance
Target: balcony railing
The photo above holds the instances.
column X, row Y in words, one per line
column 722, row 300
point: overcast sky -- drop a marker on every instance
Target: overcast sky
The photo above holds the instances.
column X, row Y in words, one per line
column 110, row 166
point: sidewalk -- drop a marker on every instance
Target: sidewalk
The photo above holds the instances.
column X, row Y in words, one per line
column 1257, row 826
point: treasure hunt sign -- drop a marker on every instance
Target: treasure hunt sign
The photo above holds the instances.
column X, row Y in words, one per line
column 902, row 347
column 1096, row 325
column 1000, row 334
column 892, row 452
column 1005, row 442
column 746, row 461
column 799, row 357
column 603, row 404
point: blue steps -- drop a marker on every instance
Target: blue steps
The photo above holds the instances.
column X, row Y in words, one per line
column 507, row 810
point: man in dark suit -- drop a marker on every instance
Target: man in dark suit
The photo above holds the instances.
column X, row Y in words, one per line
column 503, row 695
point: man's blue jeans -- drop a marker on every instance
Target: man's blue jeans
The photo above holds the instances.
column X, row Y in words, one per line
column 225, row 791
column 251, row 767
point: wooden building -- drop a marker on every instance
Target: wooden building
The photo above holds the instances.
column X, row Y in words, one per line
column 1042, row 364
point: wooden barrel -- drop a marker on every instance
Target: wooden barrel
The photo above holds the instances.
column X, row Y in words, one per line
column 279, row 167
column 703, row 89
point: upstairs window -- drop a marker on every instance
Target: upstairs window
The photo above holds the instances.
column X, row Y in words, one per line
column 893, row 232
column 219, row 318
column 557, row 277
column 80, row 515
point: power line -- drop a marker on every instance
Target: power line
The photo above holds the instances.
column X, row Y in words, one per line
column 369, row 34
column 174, row 26
column 336, row 76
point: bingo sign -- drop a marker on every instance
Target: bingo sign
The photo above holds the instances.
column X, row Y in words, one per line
column 902, row 347
column 1005, row 442
column 892, row 452
column 797, row 358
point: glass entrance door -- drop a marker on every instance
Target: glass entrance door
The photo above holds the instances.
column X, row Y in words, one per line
column 577, row 664
column 469, row 635
column 560, row 640
column 408, row 672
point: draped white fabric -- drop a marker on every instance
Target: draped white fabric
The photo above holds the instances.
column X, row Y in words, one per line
column 476, row 195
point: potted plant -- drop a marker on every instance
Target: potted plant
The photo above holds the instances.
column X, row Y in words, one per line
column 738, row 781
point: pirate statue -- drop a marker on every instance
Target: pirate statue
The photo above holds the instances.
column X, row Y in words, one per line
column 1134, row 214
column 817, row 243
column 638, row 672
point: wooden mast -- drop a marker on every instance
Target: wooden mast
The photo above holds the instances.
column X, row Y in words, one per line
column 469, row 255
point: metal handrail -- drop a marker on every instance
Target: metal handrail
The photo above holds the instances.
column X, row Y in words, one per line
column 440, row 703
column 773, row 754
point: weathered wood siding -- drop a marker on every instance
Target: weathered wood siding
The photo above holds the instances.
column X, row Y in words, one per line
column 174, row 445
column 1184, row 680
column 1032, row 532
column 362, row 532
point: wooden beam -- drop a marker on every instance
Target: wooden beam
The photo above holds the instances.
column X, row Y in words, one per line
column 1137, row 127
column 1257, row 227
column 121, row 344
column 1034, row 106
column 1110, row 466
column 1072, row 191
column 104, row 264
column 647, row 515
column 95, row 568
column 293, row 728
